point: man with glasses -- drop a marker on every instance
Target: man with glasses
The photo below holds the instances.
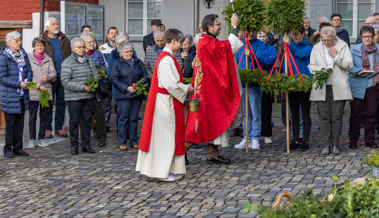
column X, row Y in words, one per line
column 340, row 31
column 57, row 46
column 308, row 29
column 148, row 40
column 368, row 22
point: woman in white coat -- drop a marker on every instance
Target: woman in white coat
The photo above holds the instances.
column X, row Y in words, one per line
column 335, row 54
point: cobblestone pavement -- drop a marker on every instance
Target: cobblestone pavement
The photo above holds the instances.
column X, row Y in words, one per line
column 53, row 183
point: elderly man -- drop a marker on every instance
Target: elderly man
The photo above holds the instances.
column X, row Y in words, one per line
column 320, row 21
column 154, row 51
column 368, row 22
column 340, row 31
column 57, row 46
column 148, row 40
column 75, row 70
column 308, row 29
column 108, row 47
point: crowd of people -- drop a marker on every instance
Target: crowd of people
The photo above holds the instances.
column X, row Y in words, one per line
column 61, row 67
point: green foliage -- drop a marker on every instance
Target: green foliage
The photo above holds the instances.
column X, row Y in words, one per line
column 282, row 83
column 285, row 16
column 187, row 80
column 373, row 160
column 31, row 85
column 100, row 71
column 141, row 87
column 321, row 77
column 44, row 98
column 251, row 14
column 251, row 76
column 92, row 83
column 347, row 201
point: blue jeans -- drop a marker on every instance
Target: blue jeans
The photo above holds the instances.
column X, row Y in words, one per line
column 57, row 91
column 127, row 114
column 254, row 111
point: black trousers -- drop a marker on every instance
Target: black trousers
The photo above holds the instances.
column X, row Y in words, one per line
column 302, row 99
column 267, row 100
column 33, row 109
column 101, row 130
column 80, row 112
column 14, row 130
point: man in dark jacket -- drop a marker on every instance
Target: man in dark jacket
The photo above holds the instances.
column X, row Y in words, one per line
column 58, row 47
column 148, row 40
column 341, row 32
column 308, row 29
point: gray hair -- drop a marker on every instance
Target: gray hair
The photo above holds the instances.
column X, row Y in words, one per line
column 158, row 33
column 325, row 19
column 189, row 38
column 47, row 23
column 87, row 35
column 375, row 24
column 122, row 35
column 305, row 18
column 124, row 45
column 328, row 31
column 75, row 41
column 12, row 35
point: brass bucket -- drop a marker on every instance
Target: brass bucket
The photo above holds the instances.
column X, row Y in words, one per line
column 193, row 104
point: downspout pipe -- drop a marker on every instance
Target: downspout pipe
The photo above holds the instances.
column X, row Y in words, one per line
column 196, row 17
column 41, row 17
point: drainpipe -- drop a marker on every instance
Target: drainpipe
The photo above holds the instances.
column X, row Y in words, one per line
column 41, row 17
column 196, row 17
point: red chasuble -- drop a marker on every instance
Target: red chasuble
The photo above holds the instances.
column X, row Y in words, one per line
column 219, row 91
column 150, row 107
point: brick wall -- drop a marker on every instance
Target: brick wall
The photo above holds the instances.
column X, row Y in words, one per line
column 23, row 9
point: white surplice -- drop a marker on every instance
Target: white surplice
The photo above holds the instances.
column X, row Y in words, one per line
column 160, row 161
column 223, row 139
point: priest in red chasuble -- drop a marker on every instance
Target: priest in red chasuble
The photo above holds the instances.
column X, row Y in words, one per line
column 161, row 148
column 220, row 108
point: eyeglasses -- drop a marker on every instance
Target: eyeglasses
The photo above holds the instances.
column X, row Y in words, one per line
column 81, row 48
column 336, row 20
column 219, row 24
column 90, row 42
column 40, row 45
column 327, row 40
column 17, row 41
column 128, row 52
column 367, row 37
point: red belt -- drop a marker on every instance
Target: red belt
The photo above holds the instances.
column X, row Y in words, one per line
column 163, row 91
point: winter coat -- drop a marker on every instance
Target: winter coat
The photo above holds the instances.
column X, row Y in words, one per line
column 358, row 84
column 148, row 40
column 98, row 59
column 188, row 70
column 46, row 68
column 65, row 45
column 270, row 58
column 301, row 52
column 74, row 75
column 10, row 99
column 344, row 35
column 314, row 39
column 125, row 74
column 152, row 55
column 340, row 74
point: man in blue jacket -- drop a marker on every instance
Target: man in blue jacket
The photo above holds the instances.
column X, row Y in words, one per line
column 254, row 92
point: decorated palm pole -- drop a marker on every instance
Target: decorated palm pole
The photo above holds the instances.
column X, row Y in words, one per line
column 251, row 14
column 285, row 17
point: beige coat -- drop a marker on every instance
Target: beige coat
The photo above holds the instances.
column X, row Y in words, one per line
column 46, row 68
column 340, row 75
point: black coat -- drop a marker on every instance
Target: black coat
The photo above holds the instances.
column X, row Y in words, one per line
column 124, row 75
column 344, row 35
column 310, row 32
column 148, row 40
column 188, row 70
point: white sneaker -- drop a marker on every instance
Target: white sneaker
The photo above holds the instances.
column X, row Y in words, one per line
column 177, row 176
column 32, row 143
column 255, row 144
column 170, row 178
column 242, row 144
column 268, row 140
column 43, row 143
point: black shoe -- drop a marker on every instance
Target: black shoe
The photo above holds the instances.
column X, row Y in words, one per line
column 139, row 118
column 20, row 153
column 353, row 145
column 218, row 160
column 371, row 144
column 9, row 154
column 108, row 129
column 74, row 151
column 187, row 161
column 294, row 146
column 102, row 144
column 88, row 149
column 303, row 146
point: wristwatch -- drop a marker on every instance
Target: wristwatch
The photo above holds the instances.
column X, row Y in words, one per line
column 234, row 27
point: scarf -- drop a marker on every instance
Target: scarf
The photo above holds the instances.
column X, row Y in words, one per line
column 19, row 58
column 39, row 57
column 89, row 52
column 130, row 62
column 81, row 60
column 339, row 29
column 365, row 51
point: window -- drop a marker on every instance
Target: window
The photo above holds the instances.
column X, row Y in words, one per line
column 354, row 14
column 139, row 15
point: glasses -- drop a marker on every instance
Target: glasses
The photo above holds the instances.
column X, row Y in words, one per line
column 367, row 37
column 128, row 52
column 17, row 41
column 81, row 48
column 90, row 42
column 219, row 24
column 327, row 40
column 336, row 20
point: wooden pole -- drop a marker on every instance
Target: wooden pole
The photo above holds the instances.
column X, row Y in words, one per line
column 246, row 103
column 287, row 105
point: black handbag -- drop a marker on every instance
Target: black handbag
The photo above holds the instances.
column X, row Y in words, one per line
column 107, row 83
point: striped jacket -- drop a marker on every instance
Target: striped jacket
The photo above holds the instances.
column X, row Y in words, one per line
column 151, row 57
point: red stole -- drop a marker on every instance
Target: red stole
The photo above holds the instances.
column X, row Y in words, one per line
column 219, row 91
column 150, row 107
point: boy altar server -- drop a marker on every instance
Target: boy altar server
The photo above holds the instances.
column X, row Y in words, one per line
column 161, row 148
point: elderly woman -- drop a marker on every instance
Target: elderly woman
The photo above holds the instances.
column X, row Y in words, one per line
column 99, row 62
column 188, row 49
column 126, row 71
column 189, row 64
column 331, row 54
column 43, row 74
column 15, row 72
column 364, row 88
column 76, row 69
